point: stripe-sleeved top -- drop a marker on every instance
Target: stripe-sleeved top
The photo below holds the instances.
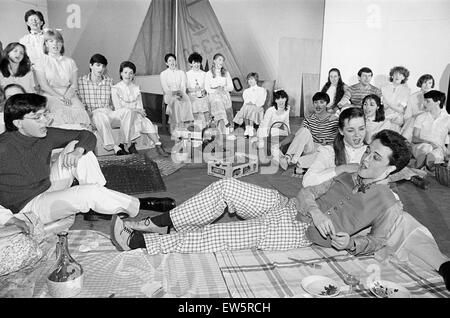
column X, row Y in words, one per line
column 356, row 93
column 324, row 130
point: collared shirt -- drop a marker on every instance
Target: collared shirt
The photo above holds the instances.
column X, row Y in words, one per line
column 356, row 93
column 323, row 168
column 34, row 43
column 95, row 95
column 58, row 70
column 435, row 130
column 126, row 96
column 382, row 225
column 394, row 95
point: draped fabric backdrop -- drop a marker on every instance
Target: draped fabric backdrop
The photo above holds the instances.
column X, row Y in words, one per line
column 155, row 39
column 199, row 31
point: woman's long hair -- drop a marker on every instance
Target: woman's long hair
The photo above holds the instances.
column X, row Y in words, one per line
column 338, row 143
column 24, row 65
column 339, row 88
column 379, row 114
column 223, row 71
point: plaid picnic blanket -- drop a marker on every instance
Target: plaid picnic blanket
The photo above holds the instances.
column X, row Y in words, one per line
column 109, row 273
column 278, row 274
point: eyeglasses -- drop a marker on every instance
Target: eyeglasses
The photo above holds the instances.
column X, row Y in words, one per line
column 39, row 117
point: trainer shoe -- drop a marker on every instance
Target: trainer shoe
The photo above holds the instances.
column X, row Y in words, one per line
column 119, row 234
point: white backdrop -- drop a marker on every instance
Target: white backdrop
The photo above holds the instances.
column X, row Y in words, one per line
column 383, row 33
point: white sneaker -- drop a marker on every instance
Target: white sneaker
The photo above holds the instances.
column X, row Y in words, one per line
column 120, row 235
column 251, row 132
column 248, row 131
column 229, row 133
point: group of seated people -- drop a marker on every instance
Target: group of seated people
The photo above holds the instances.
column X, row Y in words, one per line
column 346, row 202
column 421, row 118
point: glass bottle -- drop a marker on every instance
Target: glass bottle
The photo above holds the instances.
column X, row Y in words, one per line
column 198, row 90
column 66, row 276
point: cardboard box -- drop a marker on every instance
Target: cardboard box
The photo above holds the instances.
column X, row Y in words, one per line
column 236, row 166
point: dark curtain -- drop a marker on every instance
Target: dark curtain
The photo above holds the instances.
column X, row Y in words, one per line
column 155, row 39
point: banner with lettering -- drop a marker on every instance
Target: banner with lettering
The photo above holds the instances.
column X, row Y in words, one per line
column 199, row 31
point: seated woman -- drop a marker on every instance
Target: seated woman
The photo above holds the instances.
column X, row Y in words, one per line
column 126, row 94
column 375, row 122
column 277, row 113
column 57, row 77
column 218, row 84
column 416, row 105
column 15, row 68
column 173, row 82
column 345, row 153
column 395, row 96
column 318, row 129
column 196, row 89
column 374, row 114
column 252, row 111
column 335, row 88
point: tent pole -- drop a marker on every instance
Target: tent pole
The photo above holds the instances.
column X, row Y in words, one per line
column 176, row 28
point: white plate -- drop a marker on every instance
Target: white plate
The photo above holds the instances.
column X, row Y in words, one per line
column 315, row 285
column 387, row 289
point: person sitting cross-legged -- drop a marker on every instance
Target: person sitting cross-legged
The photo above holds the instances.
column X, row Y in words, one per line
column 431, row 130
column 31, row 182
column 318, row 129
column 330, row 214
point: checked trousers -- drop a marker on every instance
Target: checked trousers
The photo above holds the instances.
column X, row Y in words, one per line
column 269, row 221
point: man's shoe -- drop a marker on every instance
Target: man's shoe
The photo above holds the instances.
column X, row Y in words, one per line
column 121, row 153
column 132, row 149
column 122, row 147
column 119, row 234
column 94, row 216
column 444, row 270
column 420, row 182
column 161, row 151
column 157, row 204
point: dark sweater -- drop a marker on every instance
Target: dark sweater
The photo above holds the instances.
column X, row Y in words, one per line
column 25, row 163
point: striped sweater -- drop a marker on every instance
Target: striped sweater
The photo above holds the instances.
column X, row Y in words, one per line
column 323, row 131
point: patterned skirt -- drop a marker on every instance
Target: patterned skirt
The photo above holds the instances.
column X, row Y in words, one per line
column 199, row 105
column 250, row 112
column 179, row 110
column 220, row 102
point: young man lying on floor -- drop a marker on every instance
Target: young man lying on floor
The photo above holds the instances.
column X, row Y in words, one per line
column 330, row 214
column 29, row 182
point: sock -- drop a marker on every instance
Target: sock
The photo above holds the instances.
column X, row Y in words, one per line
column 137, row 240
column 116, row 148
column 162, row 220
